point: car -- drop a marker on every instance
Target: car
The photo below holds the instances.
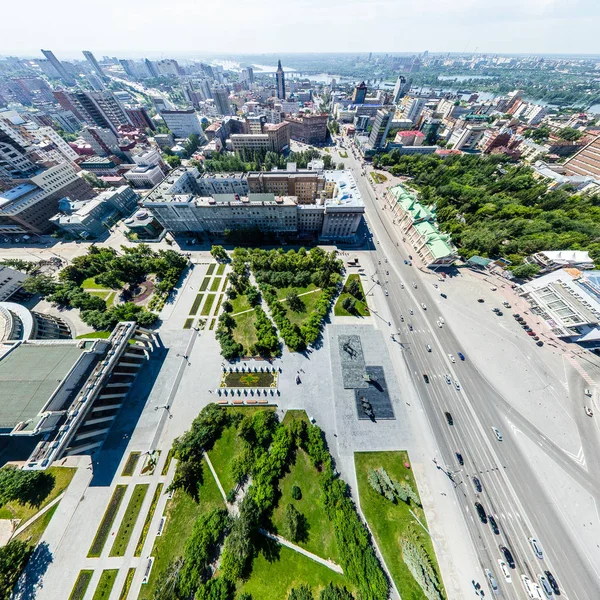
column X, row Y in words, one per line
column 536, row 338
column 477, row 484
column 526, row 327
column 438, row 324
column 410, row 327
column 402, row 285
column 459, row 458
column 415, row 285
column 531, row 333
column 428, row 347
column 402, row 318
column 532, row 588
column 588, row 392
column 536, row 547
column 481, row 512
column 379, row 262
column 385, row 259
column 492, row 581
column 499, row 313
column 516, row 315
column 493, row 524
column 386, row 293
column 480, row 300
column 508, row 556
column 552, row 582
column 521, row 320
column 540, row 343
column 411, row 311
column 461, row 355
column 423, row 306
column 448, row 380
column 497, row 433
column 496, row 310
column 442, row 320
column 546, row 587
column 505, row 571
column 449, row 418
column 410, row 263
column 405, row 262
column 443, row 296
column 452, row 359
column 426, row 377
column 456, row 385
column 506, row 304
column 493, row 288
column 588, row 411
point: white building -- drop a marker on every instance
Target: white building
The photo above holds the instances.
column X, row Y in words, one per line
column 467, row 138
column 144, row 176
column 183, row 123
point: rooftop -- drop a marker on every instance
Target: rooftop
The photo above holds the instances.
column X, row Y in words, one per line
column 29, row 374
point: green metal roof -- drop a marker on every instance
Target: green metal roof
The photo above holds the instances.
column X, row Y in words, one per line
column 29, row 374
column 438, row 243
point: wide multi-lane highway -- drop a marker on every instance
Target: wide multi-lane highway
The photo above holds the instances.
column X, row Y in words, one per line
column 510, row 491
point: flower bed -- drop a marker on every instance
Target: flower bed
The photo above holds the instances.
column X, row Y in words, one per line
column 107, row 521
column 249, row 379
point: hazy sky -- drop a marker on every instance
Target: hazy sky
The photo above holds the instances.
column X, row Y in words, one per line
column 194, row 27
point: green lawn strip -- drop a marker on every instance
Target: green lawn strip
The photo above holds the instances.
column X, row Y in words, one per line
column 390, row 522
column 129, row 519
column 211, row 269
column 293, row 415
column 148, row 521
column 361, row 307
column 204, row 284
column 181, row 513
column 214, row 284
column 218, row 304
column 33, row 533
column 127, row 585
column 321, row 539
column 105, row 585
column 283, row 292
column 110, row 299
column 95, row 335
column 240, row 304
column 24, row 512
column 107, row 521
column 272, row 578
column 168, row 460
column 210, row 299
column 130, row 465
column 221, row 269
column 196, row 305
column 90, row 284
column 188, row 323
column 103, row 295
column 81, row 584
column 309, row 301
column 245, row 332
column 222, row 454
column 212, row 324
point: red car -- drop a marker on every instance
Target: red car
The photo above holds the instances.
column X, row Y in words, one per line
column 532, row 333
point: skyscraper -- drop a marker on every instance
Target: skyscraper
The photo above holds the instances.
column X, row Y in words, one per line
column 401, row 88
column 221, row 98
column 360, row 93
column 96, row 108
column 383, row 120
column 94, row 64
column 58, row 67
column 280, row 76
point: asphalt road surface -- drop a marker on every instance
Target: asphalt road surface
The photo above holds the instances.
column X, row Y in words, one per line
column 510, row 491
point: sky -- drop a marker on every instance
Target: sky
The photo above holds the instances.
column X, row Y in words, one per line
column 192, row 28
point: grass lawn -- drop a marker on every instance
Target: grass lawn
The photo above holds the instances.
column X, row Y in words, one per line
column 245, row 332
column 132, row 461
column 129, row 519
column 221, row 269
column 33, row 534
column 181, row 513
column 188, row 323
column 24, row 512
column 90, row 284
column 283, row 292
column 211, row 269
column 273, row 578
column 241, row 379
column 212, row 324
column 110, row 299
column 95, row 335
column 107, row 520
column 309, row 301
column 204, row 284
column 221, row 455
column 343, row 154
column 378, row 177
column 142, row 539
column 127, row 585
column 292, row 415
column 389, row 522
column 320, row 540
column 214, row 284
column 362, row 309
column 103, row 295
column 196, row 304
column 240, row 304
column 210, row 299
column 105, row 585
column 81, row 584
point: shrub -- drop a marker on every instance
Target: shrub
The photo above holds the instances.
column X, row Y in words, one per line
column 301, row 593
column 296, row 493
column 335, row 592
column 417, row 560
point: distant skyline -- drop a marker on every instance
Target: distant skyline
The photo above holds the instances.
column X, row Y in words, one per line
column 189, row 28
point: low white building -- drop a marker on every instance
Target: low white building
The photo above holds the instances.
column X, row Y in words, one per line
column 144, row 176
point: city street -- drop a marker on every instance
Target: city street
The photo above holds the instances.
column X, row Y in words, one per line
column 511, row 488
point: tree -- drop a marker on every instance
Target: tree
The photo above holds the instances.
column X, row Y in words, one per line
column 296, row 491
column 253, row 296
column 44, row 285
column 570, row 134
column 335, row 592
column 294, row 301
column 525, row 271
column 173, row 161
column 348, row 304
column 301, row 593
column 219, row 253
column 295, row 524
column 13, row 558
column 227, row 306
column 25, row 487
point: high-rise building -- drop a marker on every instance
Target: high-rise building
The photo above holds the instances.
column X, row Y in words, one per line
column 248, row 74
column 400, row 89
column 183, row 122
column 140, row 117
column 381, row 127
column 94, row 64
column 309, row 129
column 102, row 109
column 360, row 93
column 129, row 67
column 280, row 77
column 221, row 98
column 58, row 67
column 151, row 68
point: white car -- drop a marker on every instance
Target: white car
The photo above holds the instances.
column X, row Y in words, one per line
column 545, row 585
column 497, row 433
column 588, row 393
column 588, row 411
column 414, row 285
column 442, row 320
column 402, row 285
column 533, row 589
column 448, row 380
column 439, row 324
column 505, row 571
column 537, row 548
column 386, row 293
column 428, row 348
column 423, row 306
column 456, row 385
column 492, row 581
column 452, row 359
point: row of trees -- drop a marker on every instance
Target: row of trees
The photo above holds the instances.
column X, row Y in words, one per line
column 493, row 208
column 331, row 592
